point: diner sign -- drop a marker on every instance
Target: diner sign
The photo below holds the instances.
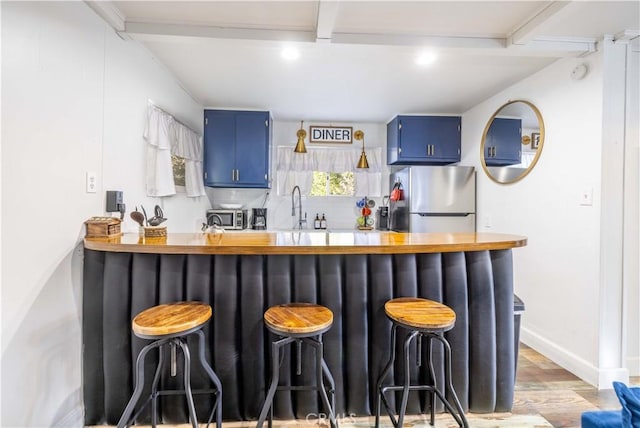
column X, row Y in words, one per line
column 331, row 134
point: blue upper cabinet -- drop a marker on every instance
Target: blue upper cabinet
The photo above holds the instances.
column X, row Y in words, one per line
column 502, row 145
column 423, row 140
column 236, row 148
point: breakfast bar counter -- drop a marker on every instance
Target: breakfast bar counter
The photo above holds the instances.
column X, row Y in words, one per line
column 241, row 274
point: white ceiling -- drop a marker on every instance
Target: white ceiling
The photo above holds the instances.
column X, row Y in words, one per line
column 357, row 58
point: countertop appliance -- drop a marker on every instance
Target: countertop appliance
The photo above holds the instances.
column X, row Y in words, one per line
column 434, row 199
column 382, row 218
column 233, row 219
column 259, row 218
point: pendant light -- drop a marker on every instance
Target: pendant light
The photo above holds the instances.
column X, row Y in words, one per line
column 362, row 163
column 301, row 134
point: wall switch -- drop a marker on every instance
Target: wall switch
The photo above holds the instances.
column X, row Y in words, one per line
column 92, row 182
column 586, row 196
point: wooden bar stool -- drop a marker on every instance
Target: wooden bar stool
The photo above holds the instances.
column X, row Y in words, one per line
column 170, row 324
column 428, row 319
column 300, row 323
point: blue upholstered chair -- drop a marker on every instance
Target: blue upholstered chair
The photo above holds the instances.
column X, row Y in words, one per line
column 601, row 419
column 627, row 417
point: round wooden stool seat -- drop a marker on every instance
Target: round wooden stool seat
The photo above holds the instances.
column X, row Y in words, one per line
column 170, row 319
column 298, row 319
column 420, row 314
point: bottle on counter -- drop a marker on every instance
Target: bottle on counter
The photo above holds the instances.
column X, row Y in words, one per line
column 316, row 222
column 323, row 222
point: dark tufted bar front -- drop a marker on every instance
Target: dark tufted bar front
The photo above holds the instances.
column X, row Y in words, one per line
column 478, row 285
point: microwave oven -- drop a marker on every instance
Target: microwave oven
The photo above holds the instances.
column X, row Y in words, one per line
column 231, row 219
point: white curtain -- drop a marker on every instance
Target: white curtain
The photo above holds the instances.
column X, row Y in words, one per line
column 159, row 172
column 188, row 145
column 166, row 136
column 297, row 168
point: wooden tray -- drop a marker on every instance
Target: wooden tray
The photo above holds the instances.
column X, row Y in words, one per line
column 97, row 227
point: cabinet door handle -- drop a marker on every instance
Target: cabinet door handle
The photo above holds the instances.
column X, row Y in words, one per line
column 237, row 175
column 233, row 175
column 433, row 150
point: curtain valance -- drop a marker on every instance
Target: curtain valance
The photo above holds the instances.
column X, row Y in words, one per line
column 297, row 168
column 166, row 136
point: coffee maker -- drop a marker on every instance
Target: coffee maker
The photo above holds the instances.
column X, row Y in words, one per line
column 259, row 218
column 382, row 221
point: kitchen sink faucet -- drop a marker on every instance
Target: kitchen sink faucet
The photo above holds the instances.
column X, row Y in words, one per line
column 293, row 207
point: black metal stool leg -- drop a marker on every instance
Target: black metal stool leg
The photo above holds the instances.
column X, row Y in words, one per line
column 407, row 377
column 460, row 418
column 124, row 419
column 154, row 389
column 217, row 406
column 187, row 381
column 383, row 375
column 332, row 384
column 432, row 380
column 319, row 373
column 275, row 377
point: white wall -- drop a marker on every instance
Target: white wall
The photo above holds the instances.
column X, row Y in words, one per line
column 74, row 97
column 631, row 295
column 558, row 273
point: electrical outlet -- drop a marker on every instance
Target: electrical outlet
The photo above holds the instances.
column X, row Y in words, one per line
column 92, row 182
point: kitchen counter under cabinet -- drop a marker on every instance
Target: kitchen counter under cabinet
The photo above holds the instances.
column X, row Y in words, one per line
column 353, row 274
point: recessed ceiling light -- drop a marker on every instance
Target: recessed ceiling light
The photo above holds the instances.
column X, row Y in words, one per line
column 426, row 58
column 290, row 53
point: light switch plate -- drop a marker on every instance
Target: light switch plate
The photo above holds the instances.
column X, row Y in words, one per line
column 92, row 182
column 586, row 196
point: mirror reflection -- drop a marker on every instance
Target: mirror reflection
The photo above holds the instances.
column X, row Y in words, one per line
column 512, row 142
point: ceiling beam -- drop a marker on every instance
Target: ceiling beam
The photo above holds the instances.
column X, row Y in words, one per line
column 528, row 30
column 218, row 32
column 327, row 14
column 423, row 41
column 109, row 12
column 529, row 35
column 559, row 46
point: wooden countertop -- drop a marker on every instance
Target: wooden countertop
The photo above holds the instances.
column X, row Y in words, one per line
column 307, row 242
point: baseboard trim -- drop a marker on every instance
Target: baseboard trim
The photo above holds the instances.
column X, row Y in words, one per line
column 634, row 366
column 599, row 378
column 74, row 418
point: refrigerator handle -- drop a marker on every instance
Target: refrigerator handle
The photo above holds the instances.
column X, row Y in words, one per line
column 444, row 214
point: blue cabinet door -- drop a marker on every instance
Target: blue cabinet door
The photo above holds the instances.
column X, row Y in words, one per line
column 503, row 142
column 219, row 148
column 252, row 149
column 423, row 140
column 236, row 148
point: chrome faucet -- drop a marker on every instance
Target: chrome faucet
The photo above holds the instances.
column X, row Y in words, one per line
column 293, row 207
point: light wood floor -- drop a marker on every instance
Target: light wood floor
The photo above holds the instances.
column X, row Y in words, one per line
column 546, row 389
column 543, row 388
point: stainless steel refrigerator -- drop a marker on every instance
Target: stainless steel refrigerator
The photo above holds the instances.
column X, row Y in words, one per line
column 434, row 199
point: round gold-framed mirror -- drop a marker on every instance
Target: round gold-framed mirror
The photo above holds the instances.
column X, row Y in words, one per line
column 512, row 142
